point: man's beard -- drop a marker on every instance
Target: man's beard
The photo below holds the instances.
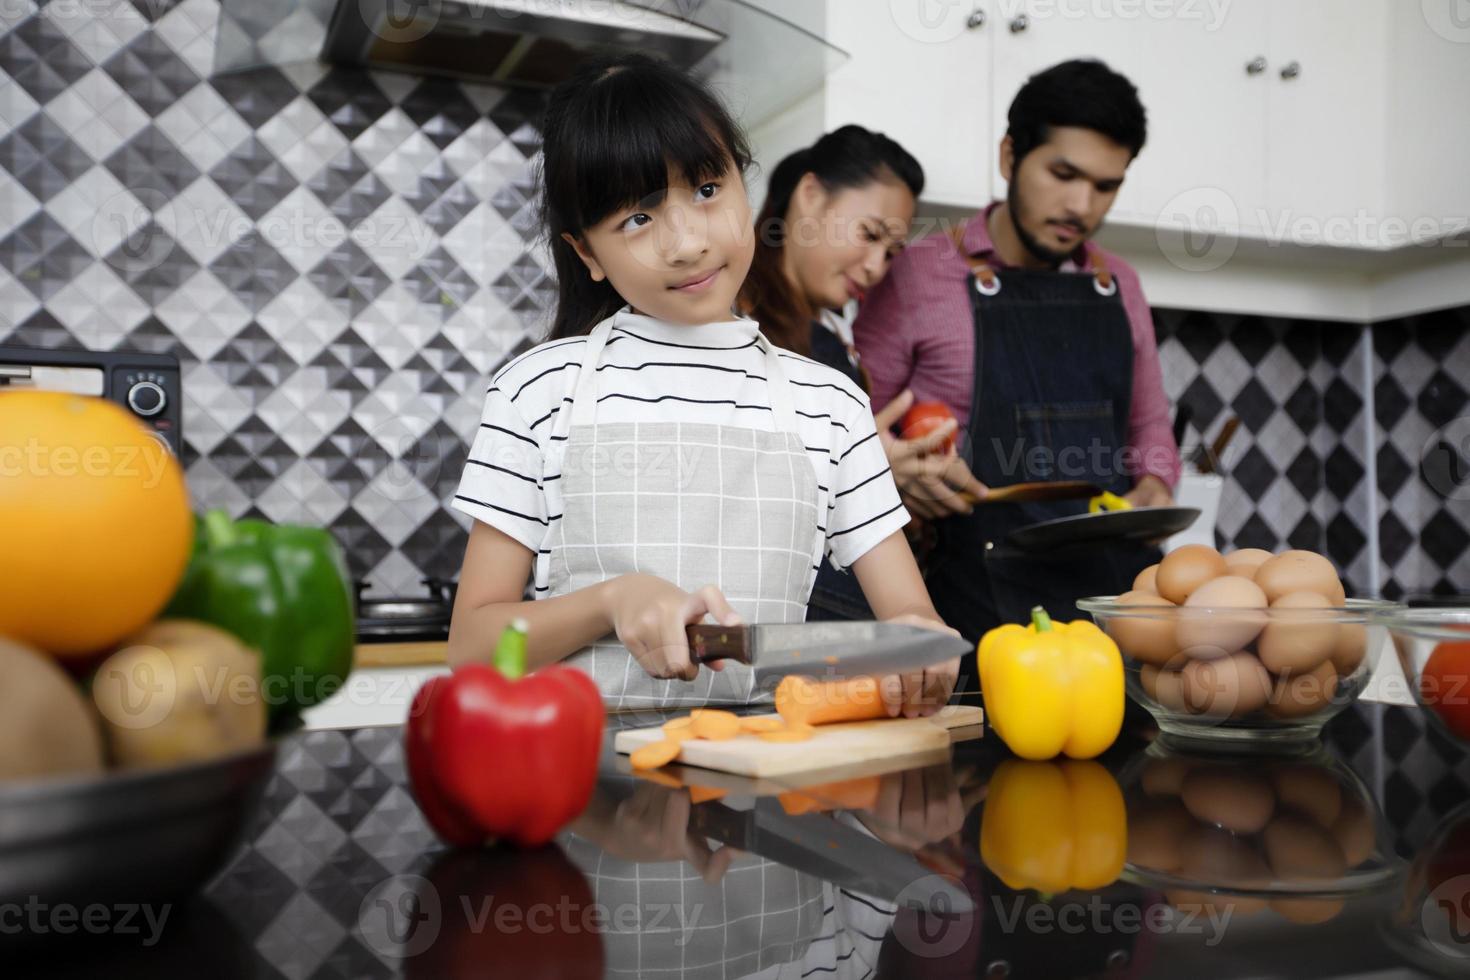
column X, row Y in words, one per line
column 1028, row 240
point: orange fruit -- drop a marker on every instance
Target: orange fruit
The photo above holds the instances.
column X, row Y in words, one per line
column 95, row 518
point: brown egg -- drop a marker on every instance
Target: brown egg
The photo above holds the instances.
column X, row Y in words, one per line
column 1215, row 629
column 1353, row 831
column 1299, row 571
column 1214, row 907
column 1234, row 798
column 1311, row 790
column 1352, row 646
column 1144, row 637
column 1298, row 850
column 1245, row 561
column 1297, row 642
column 1185, row 569
column 1219, row 859
column 1226, row 687
column 1163, row 685
column 1299, row 695
column 1164, row 777
column 1155, row 831
column 1307, row 911
column 1147, row 580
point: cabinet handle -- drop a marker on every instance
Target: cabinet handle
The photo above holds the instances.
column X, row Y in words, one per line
column 1293, row 70
column 1256, row 66
column 1020, row 24
column 976, row 21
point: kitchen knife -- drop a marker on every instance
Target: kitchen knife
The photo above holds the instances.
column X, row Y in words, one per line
column 832, row 650
column 822, row 846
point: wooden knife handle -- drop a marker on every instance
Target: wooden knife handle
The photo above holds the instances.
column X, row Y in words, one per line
column 708, row 643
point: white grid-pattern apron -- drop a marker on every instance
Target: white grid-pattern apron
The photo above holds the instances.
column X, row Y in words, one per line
column 694, row 504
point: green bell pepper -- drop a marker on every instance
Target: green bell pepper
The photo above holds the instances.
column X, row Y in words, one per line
column 282, row 589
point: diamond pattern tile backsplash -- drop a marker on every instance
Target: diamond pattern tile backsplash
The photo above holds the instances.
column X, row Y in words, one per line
column 340, row 258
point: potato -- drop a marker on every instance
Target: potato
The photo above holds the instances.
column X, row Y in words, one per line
column 180, row 691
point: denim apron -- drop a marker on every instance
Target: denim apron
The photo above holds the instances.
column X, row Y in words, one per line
column 836, row 594
column 1052, row 394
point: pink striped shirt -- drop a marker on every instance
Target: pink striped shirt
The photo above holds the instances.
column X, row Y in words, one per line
column 915, row 331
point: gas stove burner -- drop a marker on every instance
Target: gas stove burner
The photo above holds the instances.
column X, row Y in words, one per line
column 405, row 619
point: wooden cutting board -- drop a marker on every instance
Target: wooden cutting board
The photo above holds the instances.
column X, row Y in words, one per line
column 833, row 750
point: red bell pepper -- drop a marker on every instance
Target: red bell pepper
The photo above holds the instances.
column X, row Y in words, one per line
column 493, row 755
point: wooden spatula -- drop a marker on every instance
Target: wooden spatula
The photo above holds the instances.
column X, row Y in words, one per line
column 1019, row 493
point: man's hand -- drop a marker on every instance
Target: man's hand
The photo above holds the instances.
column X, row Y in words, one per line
column 929, row 481
column 1150, row 491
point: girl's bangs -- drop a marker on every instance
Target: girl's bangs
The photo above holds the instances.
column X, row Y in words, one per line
column 637, row 139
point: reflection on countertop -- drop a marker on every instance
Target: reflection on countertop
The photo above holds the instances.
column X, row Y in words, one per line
column 1147, row 862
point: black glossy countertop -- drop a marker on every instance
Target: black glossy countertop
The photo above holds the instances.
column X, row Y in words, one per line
column 892, row 875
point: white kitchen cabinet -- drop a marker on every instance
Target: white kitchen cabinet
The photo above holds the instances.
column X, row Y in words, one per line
column 1308, row 122
column 1325, row 121
column 919, row 72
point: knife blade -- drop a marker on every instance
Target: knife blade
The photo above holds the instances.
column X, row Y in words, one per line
column 830, row 650
column 819, row 845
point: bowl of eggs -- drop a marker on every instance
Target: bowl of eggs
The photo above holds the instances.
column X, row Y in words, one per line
column 1245, row 650
column 1298, row 835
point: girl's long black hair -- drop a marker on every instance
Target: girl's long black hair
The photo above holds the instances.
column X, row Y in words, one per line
column 613, row 134
column 843, row 159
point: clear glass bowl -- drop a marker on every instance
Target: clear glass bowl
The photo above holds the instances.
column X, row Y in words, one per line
column 1244, row 678
column 1433, row 647
column 1299, row 834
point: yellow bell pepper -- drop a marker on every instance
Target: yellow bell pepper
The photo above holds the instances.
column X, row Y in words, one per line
column 1107, row 500
column 1052, row 688
column 1054, row 826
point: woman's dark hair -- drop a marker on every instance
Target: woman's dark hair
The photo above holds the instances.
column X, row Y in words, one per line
column 843, row 159
column 613, row 134
column 1083, row 93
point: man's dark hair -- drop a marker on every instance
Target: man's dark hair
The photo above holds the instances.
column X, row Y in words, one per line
column 1083, row 93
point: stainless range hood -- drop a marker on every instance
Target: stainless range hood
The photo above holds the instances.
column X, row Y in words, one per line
column 761, row 62
column 505, row 42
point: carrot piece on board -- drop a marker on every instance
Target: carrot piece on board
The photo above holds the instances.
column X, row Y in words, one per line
column 654, row 755
column 791, row 733
column 716, row 725
column 761, row 723
column 805, row 701
column 678, row 733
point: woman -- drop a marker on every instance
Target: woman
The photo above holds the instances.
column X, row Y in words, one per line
column 835, row 215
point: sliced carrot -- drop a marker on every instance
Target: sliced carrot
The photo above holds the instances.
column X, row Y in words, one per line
column 683, row 721
column 761, row 723
column 716, row 725
column 703, row 794
column 655, row 755
column 792, row 733
column 659, row 778
column 805, row 701
column 681, row 734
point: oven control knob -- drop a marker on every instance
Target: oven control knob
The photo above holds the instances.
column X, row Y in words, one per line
column 146, row 398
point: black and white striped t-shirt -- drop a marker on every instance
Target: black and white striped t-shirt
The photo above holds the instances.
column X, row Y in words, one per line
column 651, row 371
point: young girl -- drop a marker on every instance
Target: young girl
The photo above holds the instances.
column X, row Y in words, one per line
column 658, row 461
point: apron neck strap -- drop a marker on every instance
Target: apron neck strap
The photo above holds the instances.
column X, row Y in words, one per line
column 584, row 399
column 987, row 283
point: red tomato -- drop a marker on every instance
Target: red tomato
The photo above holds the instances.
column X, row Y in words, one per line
column 923, row 419
column 1445, row 686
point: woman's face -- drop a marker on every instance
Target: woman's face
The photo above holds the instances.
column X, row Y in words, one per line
column 839, row 244
column 681, row 257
